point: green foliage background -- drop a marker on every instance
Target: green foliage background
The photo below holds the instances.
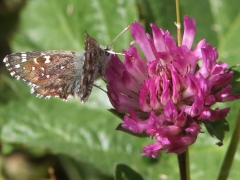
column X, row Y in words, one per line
column 86, row 131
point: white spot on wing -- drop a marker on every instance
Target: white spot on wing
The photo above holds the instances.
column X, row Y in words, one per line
column 47, row 59
column 32, row 90
column 35, row 60
column 33, row 68
column 17, row 66
column 24, row 57
column 39, row 95
column 5, row 59
column 12, row 73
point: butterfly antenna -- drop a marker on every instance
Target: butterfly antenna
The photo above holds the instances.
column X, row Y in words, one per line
column 112, row 52
column 125, row 29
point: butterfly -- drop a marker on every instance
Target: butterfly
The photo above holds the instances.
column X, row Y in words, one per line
column 59, row 73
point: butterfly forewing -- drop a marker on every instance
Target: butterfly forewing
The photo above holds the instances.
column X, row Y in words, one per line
column 49, row 73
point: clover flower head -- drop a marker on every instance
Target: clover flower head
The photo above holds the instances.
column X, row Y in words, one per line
column 170, row 92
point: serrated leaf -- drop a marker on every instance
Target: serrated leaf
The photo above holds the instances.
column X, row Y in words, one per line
column 218, row 128
column 124, row 172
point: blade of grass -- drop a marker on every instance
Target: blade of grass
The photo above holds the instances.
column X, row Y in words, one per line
column 228, row 160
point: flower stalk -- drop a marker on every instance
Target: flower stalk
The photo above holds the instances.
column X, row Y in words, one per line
column 183, row 163
column 228, row 160
column 178, row 23
column 183, row 159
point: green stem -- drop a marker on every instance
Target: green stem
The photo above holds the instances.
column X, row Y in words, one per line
column 183, row 162
column 183, row 159
column 178, row 23
column 227, row 162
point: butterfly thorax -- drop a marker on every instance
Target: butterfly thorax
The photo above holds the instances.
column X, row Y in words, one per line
column 95, row 63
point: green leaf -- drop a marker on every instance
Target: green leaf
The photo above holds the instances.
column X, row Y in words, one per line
column 53, row 24
column 116, row 113
column 229, row 47
column 218, row 128
column 85, row 133
column 124, row 172
column 236, row 80
column 202, row 11
column 224, row 12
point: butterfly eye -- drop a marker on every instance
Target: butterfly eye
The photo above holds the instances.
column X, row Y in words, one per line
column 108, row 48
column 107, row 53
